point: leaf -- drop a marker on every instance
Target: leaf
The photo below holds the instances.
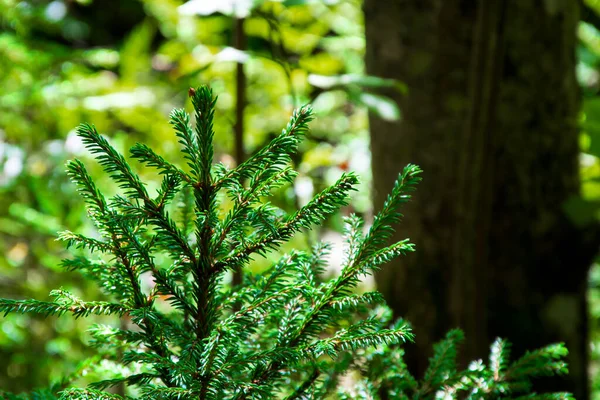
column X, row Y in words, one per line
column 582, row 212
column 135, row 53
column 332, row 81
column 232, row 54
column 591, row 124
column 239, row 8
column 382, row 106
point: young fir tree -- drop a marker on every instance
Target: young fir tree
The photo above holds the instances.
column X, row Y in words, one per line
column 283, row 333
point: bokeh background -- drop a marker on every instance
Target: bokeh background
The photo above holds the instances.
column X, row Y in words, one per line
column 123, row 65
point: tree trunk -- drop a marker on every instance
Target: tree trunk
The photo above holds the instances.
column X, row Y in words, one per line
column 491, row 116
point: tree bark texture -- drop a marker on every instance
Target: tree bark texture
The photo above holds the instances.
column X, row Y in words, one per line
column 491, row 116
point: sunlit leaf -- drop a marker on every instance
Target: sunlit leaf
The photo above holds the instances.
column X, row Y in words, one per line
column 239, row 8
column 232, row 54
column 328, row 82
column 382, row 106
column 591, row 125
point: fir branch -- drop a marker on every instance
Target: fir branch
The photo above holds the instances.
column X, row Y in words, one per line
column 104, row 334
column 352, row 271
column 82, row 242
column 149, row 326
column 87, row 188
column 112, row 278
column 176, row 296
column 246, row 318
column 365, row 257
column 112, row 161
column 135, row 379
column 146, row 155
column 277, row 153
column 268, row 282
column 381, row 229
column 205, row 280
column 266, row 180
column 243, row 200
column 442, row 362
column 499, row 356
column 89, row 394
column 318, row 259
column 120, row 250
column 288, row 321
column 354, row 238
column 355, row 301
column 46, row 308
column 547, row 396
column 546, row 361
column 186, row 210
column 332, row 346
column 169, row 187
column 302, row 390
column 204, row 104
column 167, row 393
column 180, row 121
column 168, row 235
column 325, row 203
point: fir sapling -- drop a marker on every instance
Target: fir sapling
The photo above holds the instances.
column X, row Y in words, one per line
column 282, row 333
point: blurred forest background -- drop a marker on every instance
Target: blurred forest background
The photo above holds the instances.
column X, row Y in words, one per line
column 497, row 100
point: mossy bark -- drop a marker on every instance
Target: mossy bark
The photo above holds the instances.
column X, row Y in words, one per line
column 491, row 116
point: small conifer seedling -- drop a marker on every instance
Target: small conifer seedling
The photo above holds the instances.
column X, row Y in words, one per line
column 284, row 333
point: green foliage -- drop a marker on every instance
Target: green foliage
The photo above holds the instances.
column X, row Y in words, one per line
column 124, row 69
column 384, row 374
column 189, row 334
column 584, row 208
column 283, row 333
